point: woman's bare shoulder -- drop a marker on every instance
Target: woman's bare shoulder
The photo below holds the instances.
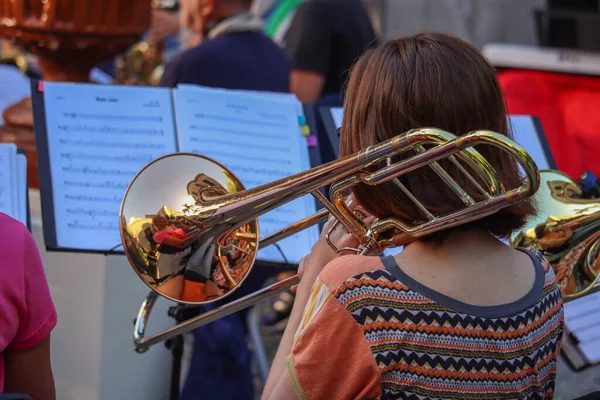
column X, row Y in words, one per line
column 342, row 268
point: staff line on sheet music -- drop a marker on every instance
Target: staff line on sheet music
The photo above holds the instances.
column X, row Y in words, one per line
column 244, row 121
column 92, row 212
column 105, row 226
column 112, row 145
column 125, row 158
column 236, row 132
column 110, row 129
column 239, row 144
column 590, row 340
column 105, row 185
column 587, row 327
column 98, row 199
column 237, row 157
column 113, row 117
column 579, row 315
column 280, row 117
column 97, row 171
column 243, row 169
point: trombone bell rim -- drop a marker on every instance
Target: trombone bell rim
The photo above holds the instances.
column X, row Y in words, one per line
column 124, row 226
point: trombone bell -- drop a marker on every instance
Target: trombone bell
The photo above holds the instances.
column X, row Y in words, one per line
column 161, row 226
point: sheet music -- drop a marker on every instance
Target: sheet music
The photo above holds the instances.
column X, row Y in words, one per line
column 525, row 133
column 258, row 137
column 582, row 318
column 337, row 113
column 21, row 188
column 8, row 192
column 99, row 137
column 305, row 156
column 14, row 86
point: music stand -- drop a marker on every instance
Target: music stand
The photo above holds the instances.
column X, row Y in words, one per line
column 263, row 268
column 326, row 114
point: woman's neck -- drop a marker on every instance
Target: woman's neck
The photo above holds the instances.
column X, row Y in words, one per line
column 458, row 242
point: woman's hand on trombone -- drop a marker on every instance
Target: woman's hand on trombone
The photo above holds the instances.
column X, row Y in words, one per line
column 321, row 254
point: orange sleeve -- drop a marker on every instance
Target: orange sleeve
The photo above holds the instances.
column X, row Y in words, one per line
column 331, row 358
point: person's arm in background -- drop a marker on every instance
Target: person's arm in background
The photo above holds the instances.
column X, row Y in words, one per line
column 27, row 365
column 308, row 44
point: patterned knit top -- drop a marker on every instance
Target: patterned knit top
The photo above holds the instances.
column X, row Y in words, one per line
column 369, row 331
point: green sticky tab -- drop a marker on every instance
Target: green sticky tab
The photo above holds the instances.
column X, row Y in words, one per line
column 305, row 130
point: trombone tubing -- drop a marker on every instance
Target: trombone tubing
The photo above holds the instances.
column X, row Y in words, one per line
column 235, row 209
column 239, row 208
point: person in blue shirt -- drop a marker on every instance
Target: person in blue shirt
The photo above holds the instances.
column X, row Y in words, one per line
column 234, row 53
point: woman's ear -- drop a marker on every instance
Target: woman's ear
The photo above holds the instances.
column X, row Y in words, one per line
column 207, row 7
column 192, row 13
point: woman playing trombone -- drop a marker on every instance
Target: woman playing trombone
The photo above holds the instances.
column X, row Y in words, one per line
column 457, row 314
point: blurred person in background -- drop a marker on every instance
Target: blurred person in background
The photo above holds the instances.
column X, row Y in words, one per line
column 233, row 52
column 278, row 16
column 322, row 43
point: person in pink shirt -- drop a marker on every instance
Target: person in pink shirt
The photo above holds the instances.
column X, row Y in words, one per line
column 27, row 315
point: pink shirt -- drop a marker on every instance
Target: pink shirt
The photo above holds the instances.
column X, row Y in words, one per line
column 27, row 314
column 160, row 236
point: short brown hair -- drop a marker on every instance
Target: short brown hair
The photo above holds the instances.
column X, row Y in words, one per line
column 429, row 80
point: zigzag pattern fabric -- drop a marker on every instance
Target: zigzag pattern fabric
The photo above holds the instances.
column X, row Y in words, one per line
column 426, row 350
column 370, row 331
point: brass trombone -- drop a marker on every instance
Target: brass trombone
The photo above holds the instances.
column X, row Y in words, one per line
column 211, row 260
column 567, row 233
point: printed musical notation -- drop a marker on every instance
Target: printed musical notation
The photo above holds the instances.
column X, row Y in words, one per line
column 107, row 130
column 257, row 136
column 99, row 137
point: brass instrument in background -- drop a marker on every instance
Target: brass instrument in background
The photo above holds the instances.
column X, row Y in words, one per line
column 227, row 239
column 11, row 54
column 567, row 232
column 143, row 63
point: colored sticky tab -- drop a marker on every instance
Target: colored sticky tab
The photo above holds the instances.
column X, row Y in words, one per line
column 301, row 120
column 40, row 87
column 305, row 130
column 312, row 141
